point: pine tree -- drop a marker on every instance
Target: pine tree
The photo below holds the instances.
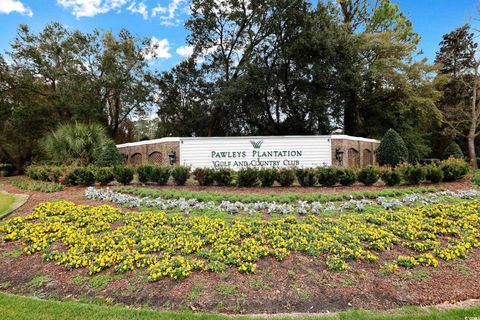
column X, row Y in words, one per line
column 392, row 149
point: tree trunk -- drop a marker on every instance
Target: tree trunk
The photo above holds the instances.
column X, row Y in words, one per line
column 471, row 148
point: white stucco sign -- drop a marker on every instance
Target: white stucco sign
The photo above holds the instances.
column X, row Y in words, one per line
column 241, row 152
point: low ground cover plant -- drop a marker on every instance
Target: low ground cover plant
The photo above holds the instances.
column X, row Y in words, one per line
column 99, row 238
column 43, row 186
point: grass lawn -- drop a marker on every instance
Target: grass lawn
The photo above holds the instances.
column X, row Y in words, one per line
column 6, row 202
column 19, row 308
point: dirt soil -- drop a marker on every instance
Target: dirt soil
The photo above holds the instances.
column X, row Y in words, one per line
column 298, row 284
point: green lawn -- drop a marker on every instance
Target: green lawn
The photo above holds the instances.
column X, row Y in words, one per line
column 26, row 308
column 6, row 202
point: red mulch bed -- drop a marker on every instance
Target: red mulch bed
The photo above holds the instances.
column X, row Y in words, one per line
column 298, row 284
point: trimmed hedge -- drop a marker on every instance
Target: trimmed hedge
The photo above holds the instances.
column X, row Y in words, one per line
column 391, row 177
column 123, row 174
column 247, row 177
column 267, row 176
column 306, row 177
column 328, row 176
column 368, row 175
column 180, row 175
column 286, row 177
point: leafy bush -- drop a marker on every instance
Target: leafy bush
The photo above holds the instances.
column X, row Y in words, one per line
column 82, row 176
column 328, row 176
column 204, row 176
column 160, row 175
column 391, row 177
column 267, row 176
column 306, row 177
column 75, row 143
column 286, row 177
column 7, row 169
column 476, row 178
column 180, row 175
column 109, row 155
column 453, row 150
column 38, row 172
column 247, row 177
column 347, row 176
column 454, row 169
column 368, row 175
column 434, row 174
column 145, row 173
column 392, row 149
column 223, row 176
column 123, row 174
column 103, row 175
column 414, row 174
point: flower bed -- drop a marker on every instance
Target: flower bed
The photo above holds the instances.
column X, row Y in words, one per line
column 297, row 207
column 174, row 246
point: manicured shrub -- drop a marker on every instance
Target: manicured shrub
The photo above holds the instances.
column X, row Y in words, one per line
column 392, row 149
column 38, row 172
column 328, row 176
column 454, row 169
column 103, row 175
column 145, row 173
column 434, row 174
column 414, row 174
column 81, row 176
column 391, row 177
column 247, row 177
column 160, row 175
column 204, row 176
column 306, row 177
column 223, row 176
column 109, row 155
column 180, row 175
column 267, row 176
column 453, row 150
column 368, row 175
column 347, row 176
column 286, row 177
column 123, row 174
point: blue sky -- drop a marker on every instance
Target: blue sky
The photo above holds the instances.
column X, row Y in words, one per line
column 163, row 19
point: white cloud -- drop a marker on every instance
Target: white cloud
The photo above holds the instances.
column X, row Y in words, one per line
column 141, row 8
column 9, row 6
column 185, row 51
column 158, row 9
column 169, row 14
column 90, row 8
column 159, row 49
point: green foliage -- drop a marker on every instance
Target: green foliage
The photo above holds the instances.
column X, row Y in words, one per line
column 414, row 174
column 160, row 175
column 145, row 173
column 267, row 176
column 434, row 173
column 123, row 174
column 204, row 176
column 453, row 150
column 347, row 176
column 7, row 169
column 454, row 169
column 82, row 176
column 42, row 186
column 306, row 177
column 180, row 175
column 223, row 176
column 392, row 150
column 476, row 178
column 286, row 177
column 75, row 143
column 391, row 177
column 247, row 177
column 103, row 175
column 328, row 176
column 109, row 155
column 368, row 175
